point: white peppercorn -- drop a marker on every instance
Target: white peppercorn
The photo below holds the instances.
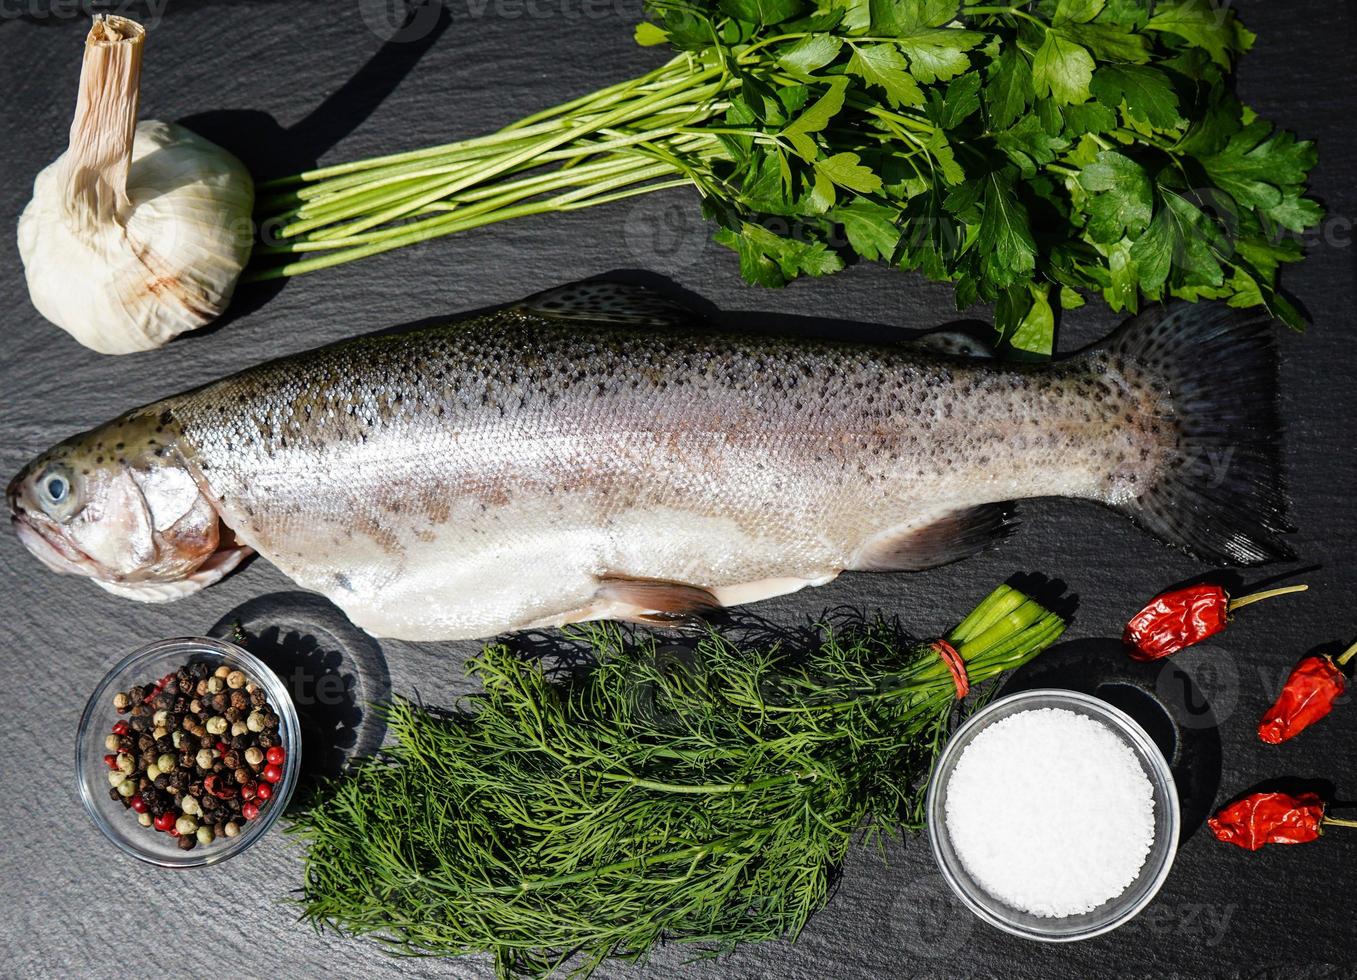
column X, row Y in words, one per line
column 255, row 722
column 254, row 756
column 205, row 835
column 235, row 680
column 204, row 758
column 216, row 725
column 186, row 825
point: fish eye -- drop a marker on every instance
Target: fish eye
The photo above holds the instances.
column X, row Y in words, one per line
column 55, row 489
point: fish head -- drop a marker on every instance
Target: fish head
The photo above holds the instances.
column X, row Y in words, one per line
column 120, row 505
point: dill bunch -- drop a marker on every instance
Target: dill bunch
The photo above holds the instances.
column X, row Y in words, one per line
column 703, row 799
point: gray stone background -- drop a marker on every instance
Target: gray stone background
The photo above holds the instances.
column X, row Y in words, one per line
column 256, row 75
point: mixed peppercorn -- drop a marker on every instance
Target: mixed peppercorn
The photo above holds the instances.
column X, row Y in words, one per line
column 198, row 754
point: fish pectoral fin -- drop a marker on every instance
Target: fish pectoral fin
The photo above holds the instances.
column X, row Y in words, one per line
column 951, row 537
column 217, row 567
column 610, row 302
column 651, row 601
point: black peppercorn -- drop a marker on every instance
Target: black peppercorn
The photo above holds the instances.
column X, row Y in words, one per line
column 267, row 740
column 126, row 743
column 187, row 842
column 163, row 701
column 136, row 694
column 138, row 723
column 258, row 698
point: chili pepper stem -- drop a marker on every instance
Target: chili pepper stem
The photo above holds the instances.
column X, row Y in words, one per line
column 1342, row 659
column 1243, row 601
column 1334, row 821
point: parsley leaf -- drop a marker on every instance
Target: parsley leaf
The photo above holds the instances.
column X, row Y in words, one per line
column 1062, row 69
column 882, row 65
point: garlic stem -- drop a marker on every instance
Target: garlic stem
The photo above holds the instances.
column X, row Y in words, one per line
column 94, row 169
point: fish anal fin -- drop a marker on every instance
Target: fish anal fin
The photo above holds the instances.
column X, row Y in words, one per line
column 651, row 601
column 610, row 302
column 951, row 537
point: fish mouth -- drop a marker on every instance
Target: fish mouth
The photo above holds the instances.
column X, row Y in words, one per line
column 49, row 546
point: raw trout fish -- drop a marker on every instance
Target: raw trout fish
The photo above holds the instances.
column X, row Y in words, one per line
column 593, row 452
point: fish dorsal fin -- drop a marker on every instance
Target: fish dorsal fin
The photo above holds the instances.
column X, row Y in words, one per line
column 954, row 343
column 610, row 302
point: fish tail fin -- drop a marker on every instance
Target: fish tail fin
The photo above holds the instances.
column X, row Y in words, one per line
column 1220, row 493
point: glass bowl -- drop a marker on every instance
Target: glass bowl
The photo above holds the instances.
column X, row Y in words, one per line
column 144, row 666
column 1115, row 911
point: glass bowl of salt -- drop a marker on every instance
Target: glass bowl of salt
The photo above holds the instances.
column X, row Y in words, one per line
column 1053, row 815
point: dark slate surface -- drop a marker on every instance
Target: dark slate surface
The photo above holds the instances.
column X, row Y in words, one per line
column 256, row 75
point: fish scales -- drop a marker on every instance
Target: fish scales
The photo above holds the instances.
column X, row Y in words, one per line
column 429, row 470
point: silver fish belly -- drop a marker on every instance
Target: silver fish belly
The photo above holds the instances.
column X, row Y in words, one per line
column 545, row 465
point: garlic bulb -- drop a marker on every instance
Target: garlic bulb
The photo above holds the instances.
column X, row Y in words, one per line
column 137, row 232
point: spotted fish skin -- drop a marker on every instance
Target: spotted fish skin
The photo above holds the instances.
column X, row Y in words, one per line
column 545, row 464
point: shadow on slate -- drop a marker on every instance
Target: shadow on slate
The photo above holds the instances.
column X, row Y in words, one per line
column 708, row 315
column 1162, row 698
column 334, row 671
column 269, row 151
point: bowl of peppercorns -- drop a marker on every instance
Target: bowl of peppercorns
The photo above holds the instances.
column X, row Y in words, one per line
column 188, row 751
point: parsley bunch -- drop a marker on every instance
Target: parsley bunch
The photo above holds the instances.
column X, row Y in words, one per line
column 705, row 798
column 1026, row 153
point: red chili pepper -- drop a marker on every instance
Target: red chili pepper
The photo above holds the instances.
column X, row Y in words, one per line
column 1183, row 617
column 1307, row 696
column 1273, row 818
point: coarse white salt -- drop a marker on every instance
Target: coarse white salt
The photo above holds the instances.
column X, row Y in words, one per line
column 1050, row 812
